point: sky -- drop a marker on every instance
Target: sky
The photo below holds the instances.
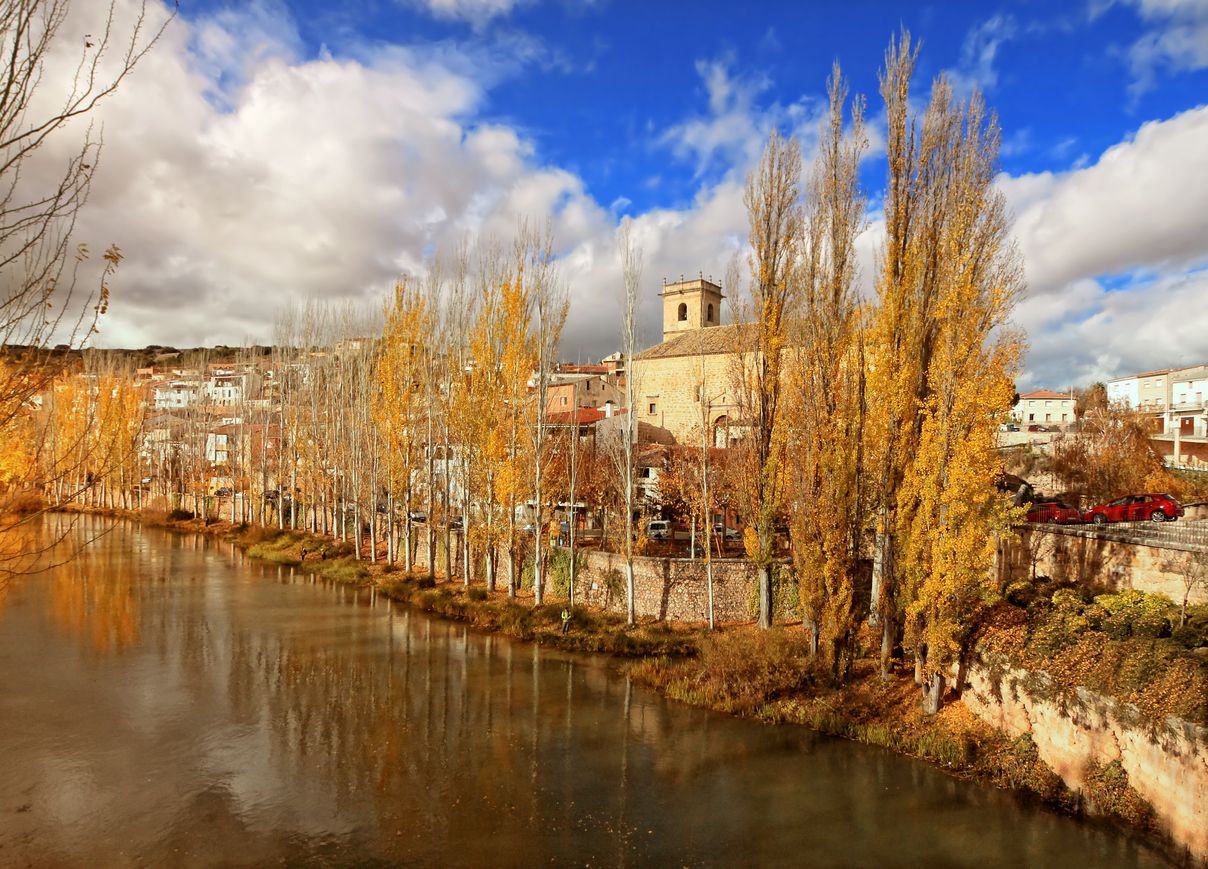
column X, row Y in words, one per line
column 269, row 153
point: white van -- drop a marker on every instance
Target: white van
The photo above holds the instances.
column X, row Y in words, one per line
column 658, row 529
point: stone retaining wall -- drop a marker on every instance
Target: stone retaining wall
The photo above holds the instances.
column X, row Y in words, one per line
column 1091, row 558
column 664, row 588
column 1166, row 764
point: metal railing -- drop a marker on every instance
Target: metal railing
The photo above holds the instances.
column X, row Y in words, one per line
column 1190, row 536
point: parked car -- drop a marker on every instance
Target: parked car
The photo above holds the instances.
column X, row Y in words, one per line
column 456, row 524
column 1157, row 507
column 1040, row 428
column 223, row 491
column 726, row 533
column 658, row 529
column 419, row 516
column 1008, row 426
column 1054, row 512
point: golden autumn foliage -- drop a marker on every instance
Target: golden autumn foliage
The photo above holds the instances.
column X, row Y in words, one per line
column 405, row 341
column 1111, row 455
column 943, row 364
column 825, row 407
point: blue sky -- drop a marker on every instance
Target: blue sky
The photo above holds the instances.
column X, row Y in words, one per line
column 305, row 150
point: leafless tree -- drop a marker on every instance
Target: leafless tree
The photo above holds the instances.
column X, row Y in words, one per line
column 772, row 199
column 623, row 449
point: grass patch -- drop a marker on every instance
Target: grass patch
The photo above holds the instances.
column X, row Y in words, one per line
column 343, row 570
column 740, row 671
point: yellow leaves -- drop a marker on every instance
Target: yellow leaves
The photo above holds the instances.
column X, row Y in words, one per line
column 750, row 542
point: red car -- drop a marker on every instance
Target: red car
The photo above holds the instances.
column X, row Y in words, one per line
column 1133, row 508
column 1055, row 512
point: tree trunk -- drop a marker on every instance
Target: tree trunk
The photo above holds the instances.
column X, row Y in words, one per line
column 765, row 596
column 933, row 694
column 630, row 603
column 887, row 643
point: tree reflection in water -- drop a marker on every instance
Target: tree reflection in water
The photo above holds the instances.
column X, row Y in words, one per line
column 223, row 711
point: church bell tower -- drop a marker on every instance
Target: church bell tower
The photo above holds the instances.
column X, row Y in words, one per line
column 689, row 305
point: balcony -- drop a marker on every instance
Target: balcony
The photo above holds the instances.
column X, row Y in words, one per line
column 1186, row 437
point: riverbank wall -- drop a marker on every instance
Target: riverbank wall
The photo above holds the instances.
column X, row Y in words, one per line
column 1075, row 734
column 667, row 589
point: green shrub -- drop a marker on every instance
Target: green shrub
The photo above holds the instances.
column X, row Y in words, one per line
column 1194, row 633
column 1059, row 627
column 1136, row 614
column 559, row 569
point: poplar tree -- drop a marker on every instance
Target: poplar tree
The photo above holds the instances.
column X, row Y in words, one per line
column 773, row 202
column 826, row 400
column 942, row 369
column 396, row 410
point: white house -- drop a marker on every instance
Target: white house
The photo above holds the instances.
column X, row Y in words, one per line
column 1044, row 407
column 1124, row 389
column 176, row 394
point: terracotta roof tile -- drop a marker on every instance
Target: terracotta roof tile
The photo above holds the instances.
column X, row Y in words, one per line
column 1047, row 393
column 709, row 341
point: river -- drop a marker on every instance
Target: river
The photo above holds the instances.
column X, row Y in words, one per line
column 168, row 701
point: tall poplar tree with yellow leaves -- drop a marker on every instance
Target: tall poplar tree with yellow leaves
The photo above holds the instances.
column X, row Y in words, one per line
column 825, row 404
column 942, row 368
column 397, row 413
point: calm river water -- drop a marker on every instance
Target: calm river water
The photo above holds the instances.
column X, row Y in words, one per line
column 168, row 702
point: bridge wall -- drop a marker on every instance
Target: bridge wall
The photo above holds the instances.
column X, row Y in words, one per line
column 1118, row 559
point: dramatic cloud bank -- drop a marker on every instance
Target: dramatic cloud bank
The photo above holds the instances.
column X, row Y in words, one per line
column 239, row 176
column 1115, row 255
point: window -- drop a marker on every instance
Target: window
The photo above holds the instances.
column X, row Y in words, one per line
column 710, row 318
column 1031, row 417
column 1065, row 417
column 683, row 315
column 564, row 401
column 1048, row 417
column 652, row 408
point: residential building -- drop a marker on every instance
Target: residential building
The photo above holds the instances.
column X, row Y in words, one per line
column 177, row 394
column 1044, row 407
column 1124, row 390
column 576, row 386
column 1176, row 400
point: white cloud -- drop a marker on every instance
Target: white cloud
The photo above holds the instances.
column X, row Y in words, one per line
column 979, row 52
column 1112, row 253
column 1176, row 38
column 477, row 13
column 732, row 131
column 326, row 178
column 1141, row 205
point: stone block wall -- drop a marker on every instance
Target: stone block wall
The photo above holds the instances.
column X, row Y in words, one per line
column 1167, row 764
column 668, row 588
column 664, row 588
column 1118, row 565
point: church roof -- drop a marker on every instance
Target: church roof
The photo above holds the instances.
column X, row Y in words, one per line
column 707, row 341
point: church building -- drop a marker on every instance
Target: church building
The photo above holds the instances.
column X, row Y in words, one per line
column 686, row 381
